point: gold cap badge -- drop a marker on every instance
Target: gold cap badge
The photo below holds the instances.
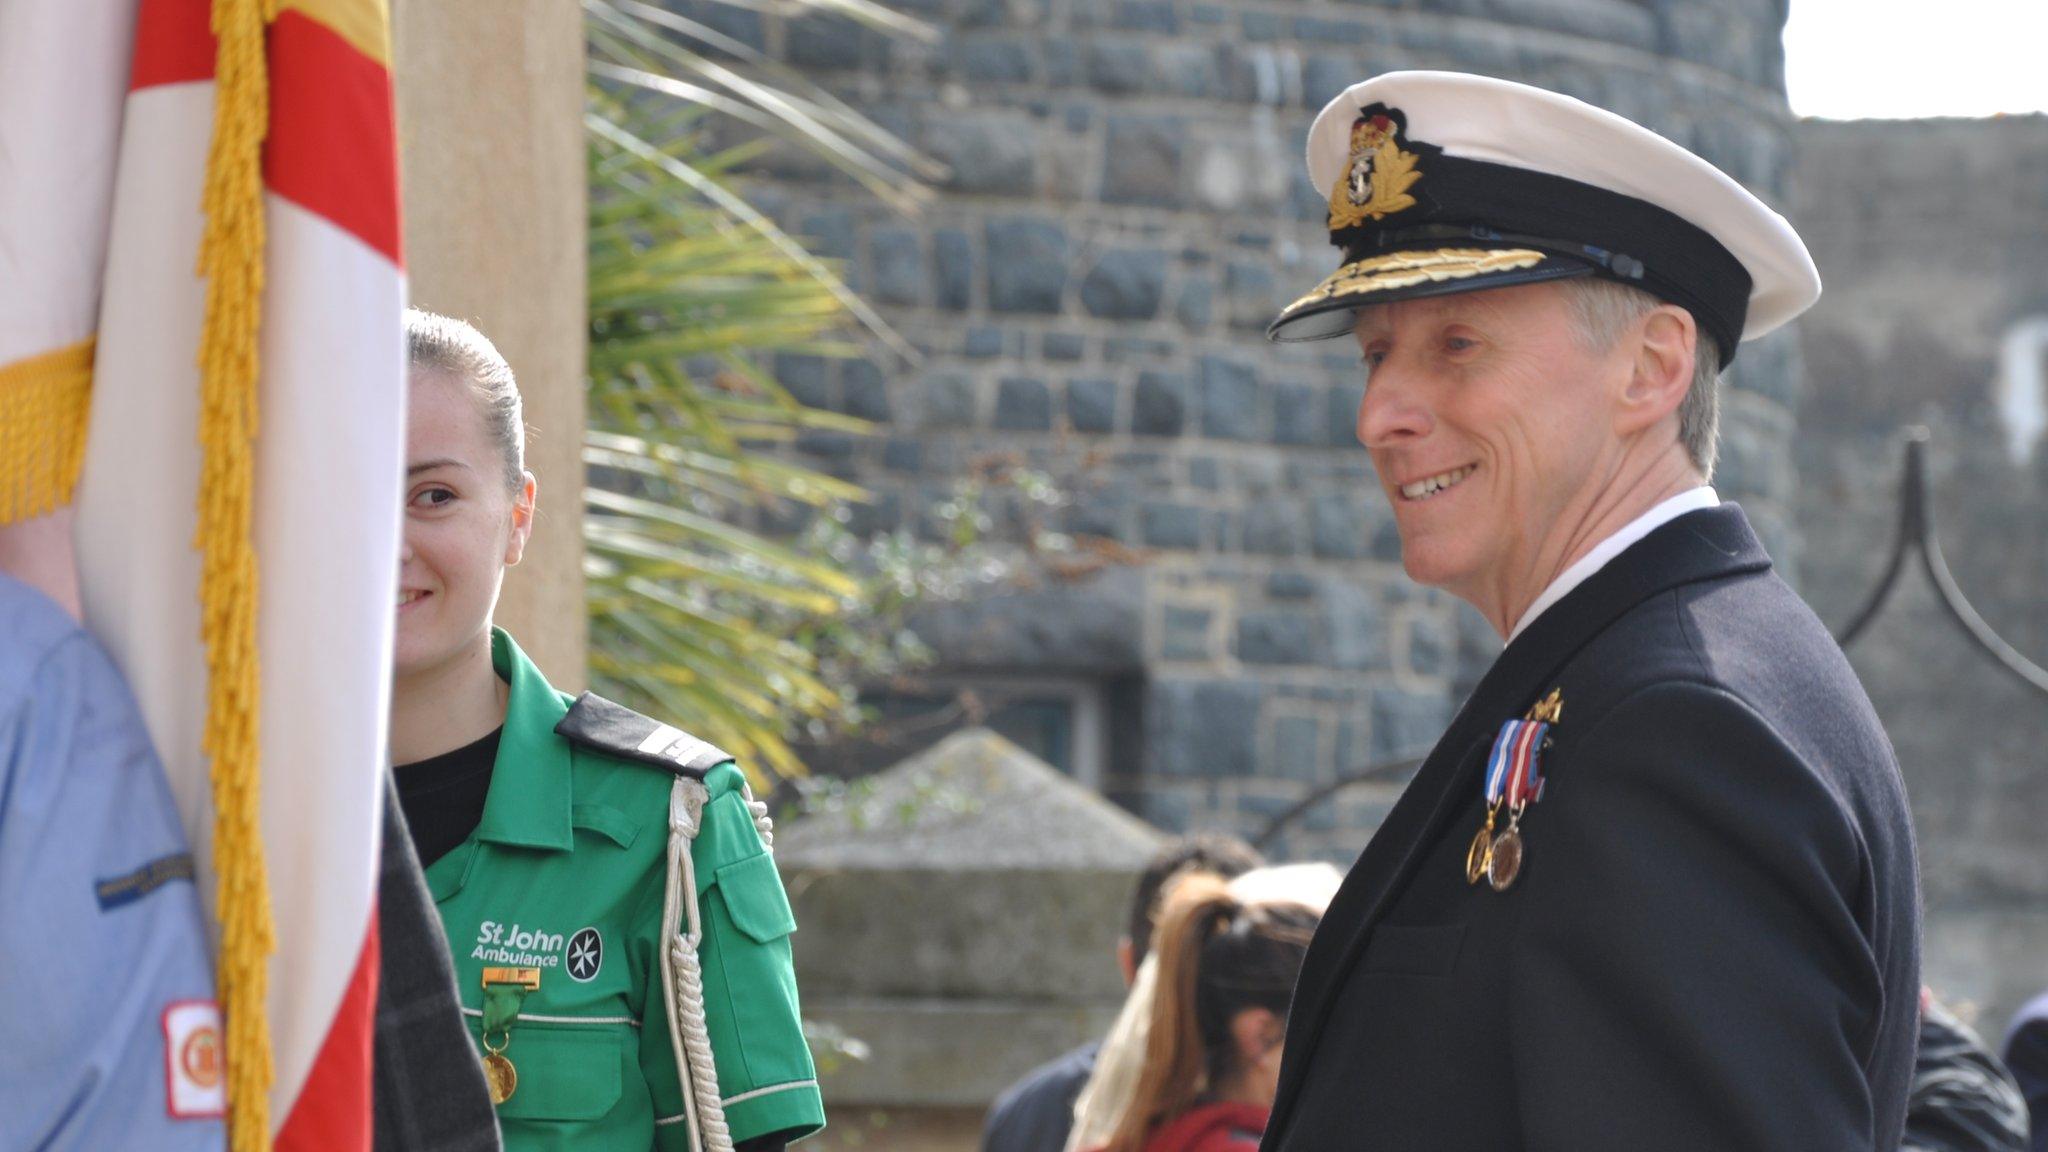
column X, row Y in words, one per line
column 1376, row 178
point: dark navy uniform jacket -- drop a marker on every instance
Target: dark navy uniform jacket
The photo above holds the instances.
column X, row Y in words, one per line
column 1714, row 940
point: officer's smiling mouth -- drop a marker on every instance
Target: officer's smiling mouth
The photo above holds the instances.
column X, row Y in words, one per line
column 1429, row 486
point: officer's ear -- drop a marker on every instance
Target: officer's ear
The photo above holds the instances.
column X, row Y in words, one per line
column 523, row 499
column 1660, row 370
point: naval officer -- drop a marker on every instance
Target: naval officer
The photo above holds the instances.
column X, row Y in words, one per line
column 1655, row 886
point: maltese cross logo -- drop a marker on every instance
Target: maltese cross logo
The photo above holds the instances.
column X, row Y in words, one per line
column 586, row 955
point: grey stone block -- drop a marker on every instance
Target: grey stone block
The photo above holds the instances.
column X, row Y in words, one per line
column 1167, row 525
column 1341, row 425
column 1146, row 16
column 1278, row 636
column 1297, row 748
column 903, row 454
column 1386, row 541
column 863, row 392
column 1203, row 728
column 1406, row 723
column 1063, row 346
column 1023, row 405
column 993, row 153
column 1355, row 626
column 1431, row 647
column 804, row 377
column 1339, row 527
column 1142, row 161
column 1160, row 405
column 982, row 342
column 994, row 59
column 1138, row 350
column 1274, row 528
column 896, row 256
column 1119, row 67
column 882, row 513
column 1206, row 473
column 1094, row 627
column 1263, row 26
column 1027, row 264
column 1197, row 302
column 1125, row 284
column 949, row 400
column 1290, row 586
column 1324, row 76
column 1230, row 399
column 830, row 233
column 953, row 268
column 830, row 445
column 1297, row 415
column 1091, row 404
column 823, row 41
column 1184, row 633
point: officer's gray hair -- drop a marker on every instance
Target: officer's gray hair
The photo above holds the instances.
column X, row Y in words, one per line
column 445, row 344
column 1604, row 309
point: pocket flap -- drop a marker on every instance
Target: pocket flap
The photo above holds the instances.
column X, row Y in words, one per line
column 563, row 1075
column 753, row 894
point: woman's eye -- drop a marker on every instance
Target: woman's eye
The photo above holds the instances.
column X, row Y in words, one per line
column 432, row 498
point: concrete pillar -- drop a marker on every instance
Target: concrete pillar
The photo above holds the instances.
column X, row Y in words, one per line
column 490, row 118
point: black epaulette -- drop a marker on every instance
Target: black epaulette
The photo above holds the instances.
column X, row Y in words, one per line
column 616, row 730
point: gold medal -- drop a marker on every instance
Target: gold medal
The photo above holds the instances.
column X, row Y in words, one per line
column 1477, row 856
column 501, row 1076
column 1504, row 863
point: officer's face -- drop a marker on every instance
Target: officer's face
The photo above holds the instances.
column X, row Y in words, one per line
column 463, row 525
column 1488, row 422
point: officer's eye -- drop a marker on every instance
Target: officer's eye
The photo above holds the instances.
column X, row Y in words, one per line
column 1373, row 358
column 1459, row 344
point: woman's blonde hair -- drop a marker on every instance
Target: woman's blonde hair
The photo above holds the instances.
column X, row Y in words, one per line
column 1217, row 955
column 455, row 347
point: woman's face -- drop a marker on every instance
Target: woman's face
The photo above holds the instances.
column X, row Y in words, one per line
column 463, row 525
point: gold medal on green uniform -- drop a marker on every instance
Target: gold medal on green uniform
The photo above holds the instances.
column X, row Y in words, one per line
column 505, row 990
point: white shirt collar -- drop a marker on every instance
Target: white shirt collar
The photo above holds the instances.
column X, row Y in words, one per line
column 1688, row 501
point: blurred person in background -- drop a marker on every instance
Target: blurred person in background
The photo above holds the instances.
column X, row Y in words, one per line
column 1962, row 1099
column 2026, row 1057
column 1036, row 1113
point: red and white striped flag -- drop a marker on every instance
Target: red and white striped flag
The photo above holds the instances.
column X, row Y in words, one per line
column 230, row 200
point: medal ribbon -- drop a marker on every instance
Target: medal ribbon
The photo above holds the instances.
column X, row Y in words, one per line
column 1499, row 759
column 1523, row 762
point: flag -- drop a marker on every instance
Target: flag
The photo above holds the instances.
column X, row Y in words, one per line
column 238, row 508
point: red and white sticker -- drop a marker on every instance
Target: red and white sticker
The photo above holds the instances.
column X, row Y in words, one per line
column 195, row 1060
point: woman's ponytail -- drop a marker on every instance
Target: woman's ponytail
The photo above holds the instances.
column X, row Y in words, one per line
column 1198, row 907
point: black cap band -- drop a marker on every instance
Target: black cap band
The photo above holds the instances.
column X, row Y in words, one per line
column 1623, row 238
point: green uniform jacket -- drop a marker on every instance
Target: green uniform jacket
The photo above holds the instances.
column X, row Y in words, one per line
column 566, row 874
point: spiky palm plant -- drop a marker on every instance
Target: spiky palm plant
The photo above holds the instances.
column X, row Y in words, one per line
column 694, row 617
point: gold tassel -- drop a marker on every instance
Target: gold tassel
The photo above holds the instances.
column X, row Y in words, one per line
column 231, row 262
column 45, row 405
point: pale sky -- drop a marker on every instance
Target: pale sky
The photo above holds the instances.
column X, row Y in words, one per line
column 1890, row 59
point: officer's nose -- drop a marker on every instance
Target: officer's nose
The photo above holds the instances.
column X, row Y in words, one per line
column 1393, row 411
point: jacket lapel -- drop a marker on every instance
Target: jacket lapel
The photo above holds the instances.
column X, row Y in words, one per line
column 1703, row 545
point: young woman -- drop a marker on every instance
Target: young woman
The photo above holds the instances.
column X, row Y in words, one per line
column 1198, row 1055
column 626, row 975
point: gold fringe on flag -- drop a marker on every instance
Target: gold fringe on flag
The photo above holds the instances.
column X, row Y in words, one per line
column 45, row 404
column 231, row 262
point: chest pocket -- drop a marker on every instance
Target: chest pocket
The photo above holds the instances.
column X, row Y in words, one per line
column 564, row 1075
column 1397, row 950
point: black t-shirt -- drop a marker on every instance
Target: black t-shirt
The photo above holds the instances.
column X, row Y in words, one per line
column 443, row 796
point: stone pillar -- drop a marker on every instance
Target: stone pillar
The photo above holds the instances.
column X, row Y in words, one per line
column 490, row 115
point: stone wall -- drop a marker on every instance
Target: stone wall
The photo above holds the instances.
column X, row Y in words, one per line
column 1932, row 240
column 1126, row 209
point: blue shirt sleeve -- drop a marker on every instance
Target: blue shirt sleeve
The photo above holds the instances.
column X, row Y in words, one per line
column 101, row 931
